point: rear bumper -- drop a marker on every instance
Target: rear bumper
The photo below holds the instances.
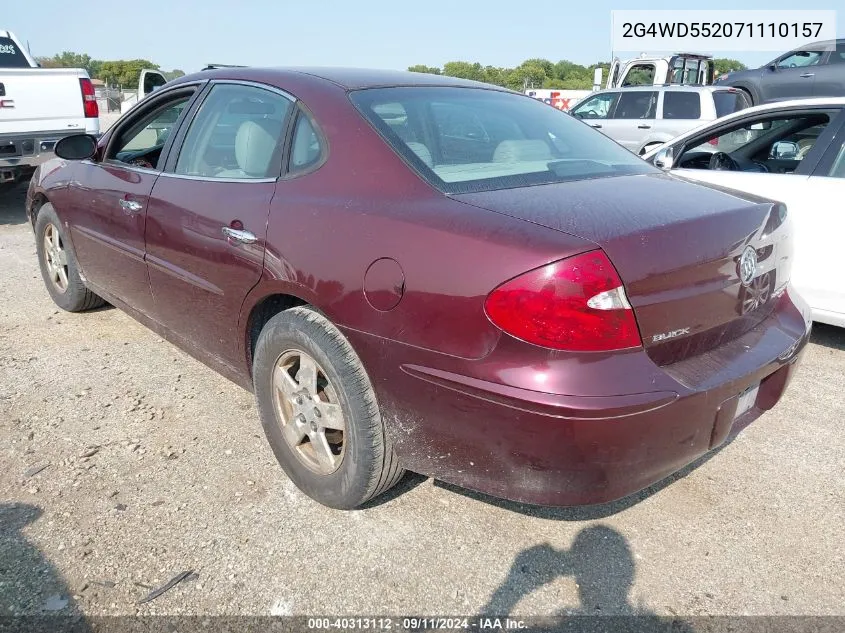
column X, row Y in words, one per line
column 20, row 154
column 563, row 450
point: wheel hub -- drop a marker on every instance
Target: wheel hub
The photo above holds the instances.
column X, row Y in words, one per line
column 308, row 411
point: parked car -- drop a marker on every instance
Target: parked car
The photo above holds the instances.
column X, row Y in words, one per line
column 641, row 119
column 813, row 70
column 793, row 152
column 425, row 273
column 38, row 106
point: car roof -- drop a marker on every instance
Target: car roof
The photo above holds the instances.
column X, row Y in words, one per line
column 812, row 46
column 667, row 88
column 346, row 78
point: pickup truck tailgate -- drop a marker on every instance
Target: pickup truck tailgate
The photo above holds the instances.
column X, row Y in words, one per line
column 41, row 99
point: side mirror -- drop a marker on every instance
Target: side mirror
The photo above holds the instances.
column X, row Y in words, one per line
column 76, row 147
column 773, row 66
column 665, row 158
column 786, row 150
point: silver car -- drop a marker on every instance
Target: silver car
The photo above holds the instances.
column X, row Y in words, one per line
column 642, row 117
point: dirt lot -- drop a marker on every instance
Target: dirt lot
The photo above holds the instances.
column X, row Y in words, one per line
column 154, row 465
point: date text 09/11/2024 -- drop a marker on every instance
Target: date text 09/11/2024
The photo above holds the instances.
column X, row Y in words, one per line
column 417, row 624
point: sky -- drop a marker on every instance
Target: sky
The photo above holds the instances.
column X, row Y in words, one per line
column 188, row 34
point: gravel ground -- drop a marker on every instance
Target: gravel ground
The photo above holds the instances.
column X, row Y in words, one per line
column 150, row 464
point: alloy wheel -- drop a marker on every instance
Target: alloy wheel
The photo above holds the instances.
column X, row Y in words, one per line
column 309, row 412
column 56, row 258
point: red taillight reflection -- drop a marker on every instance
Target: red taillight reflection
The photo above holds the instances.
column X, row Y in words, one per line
column 549, row 306
column 89, row 99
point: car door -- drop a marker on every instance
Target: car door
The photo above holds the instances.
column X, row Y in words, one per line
column 830, row 75
column 633, row 118
column 595, row 110
column 208, row 213
column 790, row 77
column 817, row 272
column 677, row 112
column 109, row 199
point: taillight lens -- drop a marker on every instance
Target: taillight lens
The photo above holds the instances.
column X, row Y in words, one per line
column 89, row 99
column 576, row 304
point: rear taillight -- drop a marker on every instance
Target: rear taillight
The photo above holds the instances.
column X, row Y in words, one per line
column 89, row 99
column 576, row 304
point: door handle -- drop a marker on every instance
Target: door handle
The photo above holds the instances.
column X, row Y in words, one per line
column 595, row 125
column 643, row 127
column 807, row 75
column 241, row 236
column 130, row 207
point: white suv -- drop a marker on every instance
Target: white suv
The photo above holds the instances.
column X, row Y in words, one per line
column 642, row 117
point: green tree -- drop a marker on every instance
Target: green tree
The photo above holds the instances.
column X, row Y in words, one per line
column 124, row 73
column 464, row 70
column 173, row 74
column 724, row 65
column 69, row 59
column 422, row 68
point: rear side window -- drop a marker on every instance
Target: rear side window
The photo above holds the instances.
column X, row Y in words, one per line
column 681, row 105
column 306, row 149
column 639, row 104
column 838, row 56
column 10, row 55
column 729, row 101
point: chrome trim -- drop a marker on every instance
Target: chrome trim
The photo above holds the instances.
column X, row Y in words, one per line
column 255, row 84
column 246, row 237
column 167, row 174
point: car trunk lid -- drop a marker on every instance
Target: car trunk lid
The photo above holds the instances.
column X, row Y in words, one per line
column 677, row 247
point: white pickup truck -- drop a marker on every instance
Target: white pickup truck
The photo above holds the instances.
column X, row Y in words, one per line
column 39, row 106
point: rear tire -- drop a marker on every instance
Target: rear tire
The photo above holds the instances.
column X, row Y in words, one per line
column 59, row 268
column 319, row 411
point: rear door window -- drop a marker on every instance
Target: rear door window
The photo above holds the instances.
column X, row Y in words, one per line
column 10, row 55
column 729, row 101
column 681, row 105
column 637, row 104
column 236, row 134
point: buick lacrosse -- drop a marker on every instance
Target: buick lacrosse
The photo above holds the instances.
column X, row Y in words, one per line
column 424, row 273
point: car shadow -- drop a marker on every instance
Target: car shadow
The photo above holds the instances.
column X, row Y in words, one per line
column 828, row 336
column 591, row 512
column 33, row 595
column 602, row 566
column 12, row 198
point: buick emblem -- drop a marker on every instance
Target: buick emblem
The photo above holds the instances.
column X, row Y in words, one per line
column 748, row 265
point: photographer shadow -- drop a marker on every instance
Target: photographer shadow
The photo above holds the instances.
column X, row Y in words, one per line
column 33, row 595
column 601, row 563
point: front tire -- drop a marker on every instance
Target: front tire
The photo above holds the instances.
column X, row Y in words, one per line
column 59, row 268
column 319, row 411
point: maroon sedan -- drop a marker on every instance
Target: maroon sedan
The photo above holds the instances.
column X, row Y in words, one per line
column 415, row 272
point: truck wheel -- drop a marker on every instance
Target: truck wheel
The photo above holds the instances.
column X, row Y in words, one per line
column 319, row 411
column 58, row 265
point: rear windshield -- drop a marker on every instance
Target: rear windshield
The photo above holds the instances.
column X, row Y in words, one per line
column 727, row 102
column 10, row 55
column 467, row 139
